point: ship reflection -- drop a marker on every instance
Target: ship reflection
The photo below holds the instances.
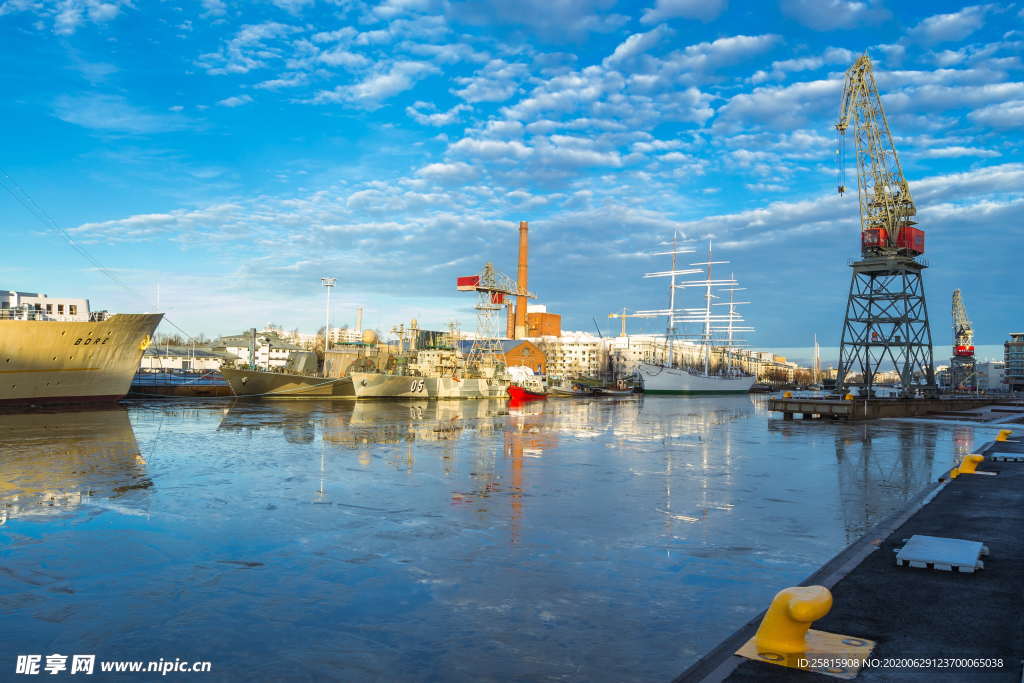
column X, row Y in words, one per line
column 55, row 462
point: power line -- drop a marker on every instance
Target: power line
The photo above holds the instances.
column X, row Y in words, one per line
column 26, row 200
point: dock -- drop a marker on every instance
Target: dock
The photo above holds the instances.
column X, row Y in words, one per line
column 928, row 624
column 870, row 408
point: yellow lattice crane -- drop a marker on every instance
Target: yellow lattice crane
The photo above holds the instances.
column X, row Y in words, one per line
column 886, row 207
column 886, row 326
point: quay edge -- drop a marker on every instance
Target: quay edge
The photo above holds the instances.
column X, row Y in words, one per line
column 871, row 408
column 919, row 613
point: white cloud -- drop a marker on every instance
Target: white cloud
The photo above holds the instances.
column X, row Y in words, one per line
column 292, row 6
column 114, row 114
column 829, row 15
column 389, row 9
column 490, row 149
column 447, row 173
column 371, row 91
column 285, row 81
column 215, row 8
column 956, row 151
column 780, row 108
column 635, row 45
column 949, row 27
column 495, row 82
column 235, row 101
column 67, row 16
column 702, row 10
column 779, row 69
column 1002, row 115
column 552, row 19
column 426, row 113
column 248, row 50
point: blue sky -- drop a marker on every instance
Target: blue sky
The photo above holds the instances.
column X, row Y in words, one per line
column 233, row 153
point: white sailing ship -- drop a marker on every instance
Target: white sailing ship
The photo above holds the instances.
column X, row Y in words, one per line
column 703, row 377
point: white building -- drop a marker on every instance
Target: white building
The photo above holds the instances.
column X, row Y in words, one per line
column 574, row 354
column 991, row 375
column 34, row 306
column 271, row 349
column 180, row 358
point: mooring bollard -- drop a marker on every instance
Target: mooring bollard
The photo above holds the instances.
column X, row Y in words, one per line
column 967, row 466
column 787, row 394
column 1004, row 434
column 848, row 397
column 793, row 610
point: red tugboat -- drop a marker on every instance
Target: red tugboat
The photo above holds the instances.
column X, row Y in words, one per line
column 518, row 393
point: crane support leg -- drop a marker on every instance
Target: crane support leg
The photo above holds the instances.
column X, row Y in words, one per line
column 886, row 325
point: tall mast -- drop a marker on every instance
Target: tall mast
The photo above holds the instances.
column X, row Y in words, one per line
column 707, row 316
column 670, row 329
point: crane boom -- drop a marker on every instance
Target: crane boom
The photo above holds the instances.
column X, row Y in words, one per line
column 886, row 206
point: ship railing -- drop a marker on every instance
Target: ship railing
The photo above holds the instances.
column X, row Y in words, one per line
column 32, row 314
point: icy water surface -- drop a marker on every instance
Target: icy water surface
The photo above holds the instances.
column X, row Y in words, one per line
column 593, row 539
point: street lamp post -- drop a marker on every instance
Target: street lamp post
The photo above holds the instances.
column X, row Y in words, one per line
column 327, row 282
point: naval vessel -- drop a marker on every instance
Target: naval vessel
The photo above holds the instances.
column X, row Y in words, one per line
column 56, row 351
column 434, row 373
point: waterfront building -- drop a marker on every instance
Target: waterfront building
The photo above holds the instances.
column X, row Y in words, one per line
column 272, row 350
column 182, row 358
column 574, row 354
column 515, row 352
column 35, row 306
column 1013, row 357
column 541, row 323
column 989, row 375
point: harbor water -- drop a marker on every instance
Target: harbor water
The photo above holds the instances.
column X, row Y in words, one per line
column 576, row 539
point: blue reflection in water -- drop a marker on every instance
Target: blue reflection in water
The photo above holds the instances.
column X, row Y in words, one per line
column 599, row 539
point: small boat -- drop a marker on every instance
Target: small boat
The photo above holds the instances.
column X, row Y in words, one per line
column 620, row 389
column 603, row 391
column 518, row 393
column 574, row 390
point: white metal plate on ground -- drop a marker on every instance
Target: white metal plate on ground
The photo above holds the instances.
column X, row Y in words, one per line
column 944, row 554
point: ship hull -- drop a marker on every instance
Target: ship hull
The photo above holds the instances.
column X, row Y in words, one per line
column 659, row 379
column 482, row 387
column 51, row 362
column 263, row 384
column 380, row 385
column 518, row 393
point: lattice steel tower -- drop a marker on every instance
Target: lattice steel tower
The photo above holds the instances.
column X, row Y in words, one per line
column 886, row 325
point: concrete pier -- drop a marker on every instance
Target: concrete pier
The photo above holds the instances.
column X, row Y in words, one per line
column 870, row 408
column 929, row 625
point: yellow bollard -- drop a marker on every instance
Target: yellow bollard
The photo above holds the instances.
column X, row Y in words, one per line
column 848, row 397
column 784, row 627
column 787, row 394
column 970, row 463
column 1003, row 434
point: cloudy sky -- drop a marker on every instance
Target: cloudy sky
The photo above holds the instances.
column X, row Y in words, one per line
column 230, row 154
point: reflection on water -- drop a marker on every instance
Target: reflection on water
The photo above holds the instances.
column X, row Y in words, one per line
column 599, row 539
column 53, row 462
